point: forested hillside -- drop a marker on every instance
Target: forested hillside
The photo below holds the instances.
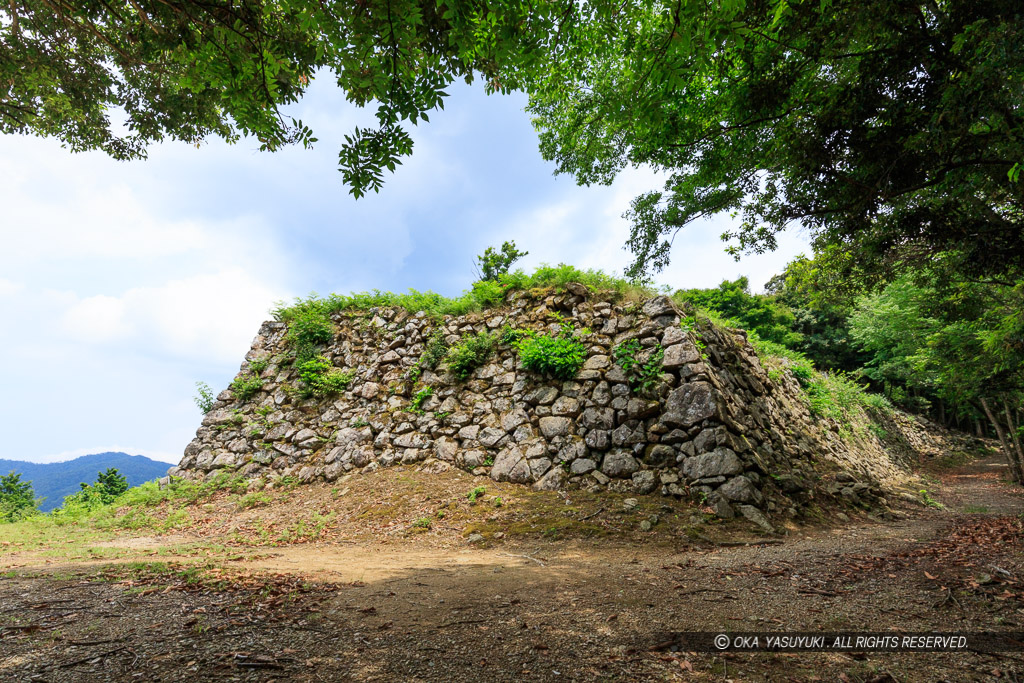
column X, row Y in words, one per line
column 53, row 481
column 939, row 345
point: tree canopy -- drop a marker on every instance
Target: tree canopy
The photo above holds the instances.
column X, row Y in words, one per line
column 891, row 128
column 959, row 345
column 17, row 498
column 765, row 315
column 189, row 70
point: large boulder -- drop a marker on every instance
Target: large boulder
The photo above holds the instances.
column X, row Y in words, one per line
column 511, row 465
column 619, row 465
column 689, row 404
column 658, row 306
column 551, row 427
column 741, row 490
column 680, row 354
column 720, row 462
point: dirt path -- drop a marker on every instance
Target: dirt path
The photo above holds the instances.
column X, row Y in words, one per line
column 545, row 611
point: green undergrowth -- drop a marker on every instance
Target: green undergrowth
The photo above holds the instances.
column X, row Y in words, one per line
column 320, row 378
column 82, row 520
column 559, row 356
column 482, row 295
column 470, row 353
column 834, row 395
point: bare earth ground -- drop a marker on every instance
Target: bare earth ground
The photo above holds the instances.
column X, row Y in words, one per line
column 563, row 587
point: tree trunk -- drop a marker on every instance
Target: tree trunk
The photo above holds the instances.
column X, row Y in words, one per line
column 1014, row 434
column 1011, row 459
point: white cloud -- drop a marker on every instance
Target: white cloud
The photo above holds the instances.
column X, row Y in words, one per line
column 9, row 288
column 211, row 316
column 101, row 223
column 115, row 300
column 585, row 227
column 97, row 319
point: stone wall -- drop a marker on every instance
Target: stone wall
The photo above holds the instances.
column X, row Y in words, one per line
column 716, row 429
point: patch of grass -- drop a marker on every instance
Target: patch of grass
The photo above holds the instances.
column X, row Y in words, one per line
column 309, row 328
column 434, row 351
column 483, row 295
column 642, row 367
column 561, row 356
column 320, row 378
column 416, row 405
column 956, row 459
column 132, row 509
column 176, row 519
column 423, row 523
column 975, row 509
column 510, row 335
column 166, row 574
column 470, row 353
column 927, row 499
column 253, row 500
column 878, row 430
column 476, row 493
column 258, row 365
column 244, row 387
column 305, row 530
column 40, row 531
column 286, row 483
column 831, row 395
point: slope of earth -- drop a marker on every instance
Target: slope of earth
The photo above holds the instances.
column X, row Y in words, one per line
column 570, row 588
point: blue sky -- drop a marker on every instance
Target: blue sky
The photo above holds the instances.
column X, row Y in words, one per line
column 122, row 284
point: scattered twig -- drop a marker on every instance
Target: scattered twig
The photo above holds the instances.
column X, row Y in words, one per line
column 599, row 511
column 949, row 598
column 704, row 590
column 1002, row 572
column 256, row 664
column 46, row 603
column 818, row 591
column 527, row 557
column 30, row 627
column 89, row 658
column 94, row 642
column 463, row 621
column 740, row 544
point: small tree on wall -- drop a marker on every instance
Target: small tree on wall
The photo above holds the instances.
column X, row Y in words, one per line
column 494, row 264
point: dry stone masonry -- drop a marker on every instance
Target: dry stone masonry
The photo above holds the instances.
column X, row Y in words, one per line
column 715, row 428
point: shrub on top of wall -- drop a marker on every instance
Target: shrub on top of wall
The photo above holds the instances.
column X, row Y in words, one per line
column 308, row 330
column 483, row 294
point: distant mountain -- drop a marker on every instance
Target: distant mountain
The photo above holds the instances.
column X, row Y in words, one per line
column 54, row 480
